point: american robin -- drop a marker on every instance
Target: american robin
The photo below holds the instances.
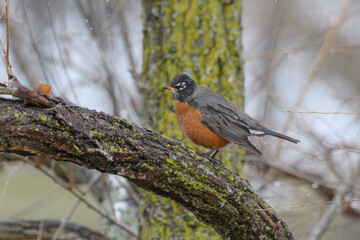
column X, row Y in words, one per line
column 209, row 120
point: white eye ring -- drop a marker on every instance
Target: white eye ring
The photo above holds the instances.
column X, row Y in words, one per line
column 177, row 84
column 182, row 88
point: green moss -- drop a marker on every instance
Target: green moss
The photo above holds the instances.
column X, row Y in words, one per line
column 76, row 148
column 17, row 115
column 43, row 117
column 101, row 134
column 113, row 149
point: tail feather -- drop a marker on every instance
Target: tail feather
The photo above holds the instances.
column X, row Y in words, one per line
column 245, row 143
column 279, row 135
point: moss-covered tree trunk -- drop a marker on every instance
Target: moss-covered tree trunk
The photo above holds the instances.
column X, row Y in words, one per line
column 203, row 39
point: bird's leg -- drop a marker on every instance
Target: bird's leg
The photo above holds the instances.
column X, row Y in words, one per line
column 212, row 153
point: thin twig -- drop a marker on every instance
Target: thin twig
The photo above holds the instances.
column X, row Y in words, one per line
column 33, row 206
column 62, row 61
column 3, row 11
column 313, row 112
column 333, row 145
column 130, row 189
column 109, row 195
column 44, row 69
column 309, row 204
column 7, row 182
column 124, row 227
column 8, row 65
column 73, row 208
column 328, row 215
column 3, row 49
column 41, row 230
column 121, row 8
column 320, row 58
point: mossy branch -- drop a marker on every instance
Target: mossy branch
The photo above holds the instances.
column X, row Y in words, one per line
column 53, row 128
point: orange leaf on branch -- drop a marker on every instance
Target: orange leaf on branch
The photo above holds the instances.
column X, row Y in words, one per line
column 44, row 88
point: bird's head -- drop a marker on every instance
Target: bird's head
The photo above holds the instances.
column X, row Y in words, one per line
column 181, row 87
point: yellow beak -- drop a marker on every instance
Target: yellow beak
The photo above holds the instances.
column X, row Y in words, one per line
column 170, row 88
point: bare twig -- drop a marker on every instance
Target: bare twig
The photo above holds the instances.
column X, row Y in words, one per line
column 327, row 217
column 6, row 52
column 41, row 230
column 3, row 192
column 313, row 112
column 310, row 204
column 323, row 53
column 125, row 33
column 333, row 145
column 124, row 227
column 62, row 61
column 8, row 65
column 109, row 196
column 38, row 55
column 131, row 190
column 33, row 206
column 3, row 11
column 73, row 208
column 325, row 187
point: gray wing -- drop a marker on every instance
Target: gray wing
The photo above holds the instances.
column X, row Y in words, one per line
column 225, row 118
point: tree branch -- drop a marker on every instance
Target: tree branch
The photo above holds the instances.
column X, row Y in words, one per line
column 52, row 128
column 45, row 230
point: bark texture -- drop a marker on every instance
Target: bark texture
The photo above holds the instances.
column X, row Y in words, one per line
column 53, row 128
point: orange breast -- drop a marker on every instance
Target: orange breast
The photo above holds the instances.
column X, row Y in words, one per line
column 189, row 120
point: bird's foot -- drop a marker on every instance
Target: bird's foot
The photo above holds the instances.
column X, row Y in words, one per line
column 211, row 154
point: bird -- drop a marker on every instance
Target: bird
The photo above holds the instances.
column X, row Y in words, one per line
column 211, row 121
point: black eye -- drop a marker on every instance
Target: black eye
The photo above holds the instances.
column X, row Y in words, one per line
column 183, row 86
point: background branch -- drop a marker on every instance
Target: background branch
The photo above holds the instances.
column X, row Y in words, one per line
column 8, row 65
column 44, row 230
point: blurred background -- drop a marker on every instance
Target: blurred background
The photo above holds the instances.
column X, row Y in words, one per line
column 301, row 67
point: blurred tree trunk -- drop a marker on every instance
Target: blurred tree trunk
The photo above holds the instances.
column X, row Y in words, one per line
column 203, row 39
